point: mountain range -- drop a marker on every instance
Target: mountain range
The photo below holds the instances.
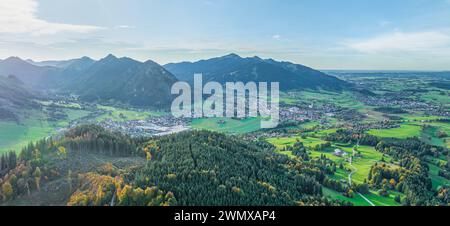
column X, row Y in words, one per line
column 57, row 63
column 14, row 97
column 121, row 79
column 128, row 81
column 233, row 68
column 109, row 79
column 30, row 74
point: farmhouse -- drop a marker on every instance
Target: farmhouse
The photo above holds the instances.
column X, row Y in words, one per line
column 340, row 153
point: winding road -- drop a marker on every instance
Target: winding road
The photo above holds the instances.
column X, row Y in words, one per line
column 350, row 160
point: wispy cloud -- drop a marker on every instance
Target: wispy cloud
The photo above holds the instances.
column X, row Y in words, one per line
column 124, row 27
column 276, row 37
column 94, row 43
column 385, row 23
column 401, row 42
column 19, row 16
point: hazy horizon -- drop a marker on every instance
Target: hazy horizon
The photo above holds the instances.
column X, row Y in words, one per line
column 193, row 61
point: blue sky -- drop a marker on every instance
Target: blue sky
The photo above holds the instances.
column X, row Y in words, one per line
column 325, row 34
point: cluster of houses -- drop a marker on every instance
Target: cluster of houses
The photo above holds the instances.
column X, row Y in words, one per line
column 155, row 126
column 310, row 112
column 406, row 104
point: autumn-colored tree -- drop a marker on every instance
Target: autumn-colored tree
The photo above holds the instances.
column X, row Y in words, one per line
column 171, row 176
column 351, row 193
column 107, row 169
column 37, row 176
column 392, row 182
column 148, row 156
column 171, row 200
column 236, row 189
column 125, row 195
column 99, row 196
column 62, row 152
column 7, row 191
column 138, row 197
column 150, row 192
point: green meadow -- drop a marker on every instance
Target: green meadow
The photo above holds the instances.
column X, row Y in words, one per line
column 379, row 200
column 402, row 132
column 121, row 115
column 227, row 125
column 429, row 136
column 363, row 163
column 282, row 142
column 344, row 99
column 369, row 156
column 33, row 127
column 436, row 97
column 357, row 200
column 430, row 131
column 435, row 178
column 418, row 118
column 14, row 136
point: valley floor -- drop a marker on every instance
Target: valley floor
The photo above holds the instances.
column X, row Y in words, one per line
column 308, row 117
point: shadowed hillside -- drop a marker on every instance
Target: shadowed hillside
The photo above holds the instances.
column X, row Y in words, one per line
column 233, row 68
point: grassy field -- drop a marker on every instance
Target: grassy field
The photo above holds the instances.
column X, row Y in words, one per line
column 14, row 136
column 33, row 127
column 308, row 125
column 435, row 178
column 418, row 118
column 369, row 156
column 441, row 126
column 121, row 115
column 311, row 142
column 436, row 97
column 344, row 99
column 445, row 127
column 282, row 142
column 340, row 175
column 227, row 125
column 357, row 200
column 383, row 201
column 429, row 134
column 71, row 115
column 326, row 132
column 402, row 132
column 363, row 164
